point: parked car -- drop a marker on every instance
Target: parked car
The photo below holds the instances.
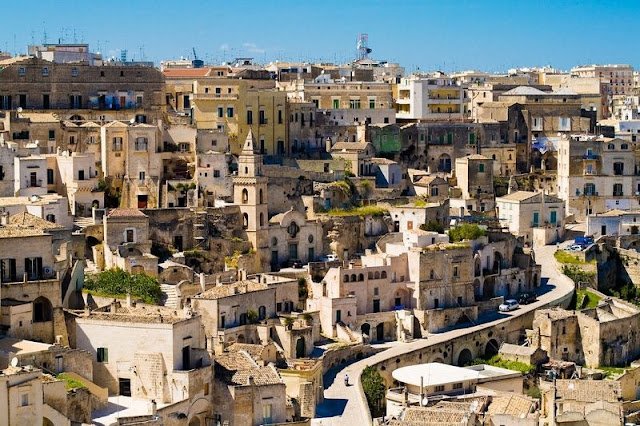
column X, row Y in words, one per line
column 509, row 305
column 575, row 247
column 527, row 297
column 330, row 258
column 295, row 263
column 585, row 241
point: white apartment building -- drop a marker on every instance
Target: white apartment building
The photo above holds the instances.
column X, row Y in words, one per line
column 433, row 96
column 619, row 75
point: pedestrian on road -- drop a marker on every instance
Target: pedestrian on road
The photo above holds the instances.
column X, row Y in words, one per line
column 346, row 380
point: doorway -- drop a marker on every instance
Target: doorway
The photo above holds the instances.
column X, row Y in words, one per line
column 124, row 387
column 380, row 332
column 142, row 201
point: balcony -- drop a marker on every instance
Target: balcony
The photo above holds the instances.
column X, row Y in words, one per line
column 34, row 183
column 590, row 172
column 214, row 96
column 590, row 157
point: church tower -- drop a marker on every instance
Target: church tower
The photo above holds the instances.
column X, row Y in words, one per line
column 250, row 193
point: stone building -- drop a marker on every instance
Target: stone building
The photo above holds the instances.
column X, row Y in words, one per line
column 31, row 275
column 292, row 236
column 614, row 222
column 75, row 177
column 126, row 242
column 357, row 156
column 474, row 175
column 21, row 397
column 598, row 336
column 150, row 353
column 246, row 393
column 527, row 214
column 431, row 96
column 597, row 174
column 80, row 89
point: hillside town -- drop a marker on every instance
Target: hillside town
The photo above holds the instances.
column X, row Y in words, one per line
column 316, row 244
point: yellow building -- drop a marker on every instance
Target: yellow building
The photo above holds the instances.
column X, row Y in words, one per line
column 236, row 106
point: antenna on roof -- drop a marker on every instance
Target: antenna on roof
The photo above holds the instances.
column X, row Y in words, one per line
column 363, row 46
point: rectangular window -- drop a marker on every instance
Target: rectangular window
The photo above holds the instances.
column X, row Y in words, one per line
column 266, row 414
column 354, row 104
column 45, row 101
column 249, row 116
column 372, row 104
column 142, row 176
column 117, row 144
column 8, row 270
column 439, row 388
column 536, row 219
column 336, row 104
column 449, row 138
column 279, row 116
column 52, row 135
column 564, row 124
column 481, row 168
column 5, row 101
column 141, row 144
column 216, row 173
column 33, row 268
column 229, row 112
column 103, row 355
column 22, row 101
column 455, row 272
column 554, row 217
column 220, row 112
column 129, row 235
column 457, row 386
column 75, row 101
column 24, row 400
column 472, row 138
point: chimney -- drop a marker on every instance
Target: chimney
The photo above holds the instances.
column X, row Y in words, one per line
column 154, row 407
column 4, row 218
column 328, row 145
column 243, row 274
column 252, row 381
column 114, row 306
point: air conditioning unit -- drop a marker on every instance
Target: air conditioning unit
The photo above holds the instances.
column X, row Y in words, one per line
column 47, row 271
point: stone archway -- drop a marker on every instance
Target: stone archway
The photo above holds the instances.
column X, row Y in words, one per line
column 464, row 357
column 365, row 329
column 492, row 347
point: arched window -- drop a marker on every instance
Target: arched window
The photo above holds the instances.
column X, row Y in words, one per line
column 370, row 275
column 245, row 196
column 361, row 277
column 262, row 313
column 245, row 221
column 261, row 219
column 346, row 278
column 261, row 198
column 376, row 275
column 383, row 275
column 353, row 278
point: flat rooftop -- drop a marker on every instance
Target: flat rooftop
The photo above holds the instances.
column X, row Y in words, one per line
column 435, row 373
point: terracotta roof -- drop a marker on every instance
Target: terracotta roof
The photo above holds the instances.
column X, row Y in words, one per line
column 186, row 72
column 235, row 368
column 125, row 213
column 589, row 390
column 433, row 415
column 226, row 290
column 255, row 351
column 511, row 404
column 525, row 195
column 350, row 146
column 25, row 219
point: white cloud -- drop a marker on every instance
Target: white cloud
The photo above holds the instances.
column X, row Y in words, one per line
column 253, row 48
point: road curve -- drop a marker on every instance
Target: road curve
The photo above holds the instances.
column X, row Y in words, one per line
column 346, row 405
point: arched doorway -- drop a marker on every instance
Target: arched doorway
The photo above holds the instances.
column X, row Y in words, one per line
column 195, row 422
column 47, row 422
column 300, row 348
column 487, row 288
column 465, row 357
column 240, row 338
column 380, row 332
column 42, row 310
column 365, row 329
column 497, row 262
column 491, row 348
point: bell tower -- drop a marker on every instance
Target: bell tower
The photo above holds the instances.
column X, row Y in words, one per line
column 250, row 193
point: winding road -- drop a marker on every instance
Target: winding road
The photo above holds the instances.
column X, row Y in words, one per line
column 344, row 405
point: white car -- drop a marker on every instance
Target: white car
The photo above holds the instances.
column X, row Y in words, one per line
column 509, row 305
column 330, row 258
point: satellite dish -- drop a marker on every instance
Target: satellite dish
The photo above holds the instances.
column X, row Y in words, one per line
column 425, row 401
column 19, row 110
column 14, row 361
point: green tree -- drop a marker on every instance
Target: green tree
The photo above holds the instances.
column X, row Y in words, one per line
column 252, row 316
column 433, row 226
column 374, row 388
column 466, row 231
column 303, row 292
column 117, row 282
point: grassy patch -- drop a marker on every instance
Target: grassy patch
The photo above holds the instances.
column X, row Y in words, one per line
column 564, row 256
column 359, row 211
column 116, row 282
column 611, row 372
column 70, row 383
column 496, row 361
column 586, row 299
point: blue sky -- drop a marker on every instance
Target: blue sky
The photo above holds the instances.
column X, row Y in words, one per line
column 446, row 35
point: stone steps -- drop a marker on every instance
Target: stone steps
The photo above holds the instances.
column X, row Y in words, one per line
column 169, row 295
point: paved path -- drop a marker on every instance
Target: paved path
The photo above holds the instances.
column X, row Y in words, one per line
column 344, row 405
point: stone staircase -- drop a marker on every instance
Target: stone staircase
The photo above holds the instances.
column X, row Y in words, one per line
column 345, row 333
column 83, row 222
column 169, row 296
column 90, row 267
